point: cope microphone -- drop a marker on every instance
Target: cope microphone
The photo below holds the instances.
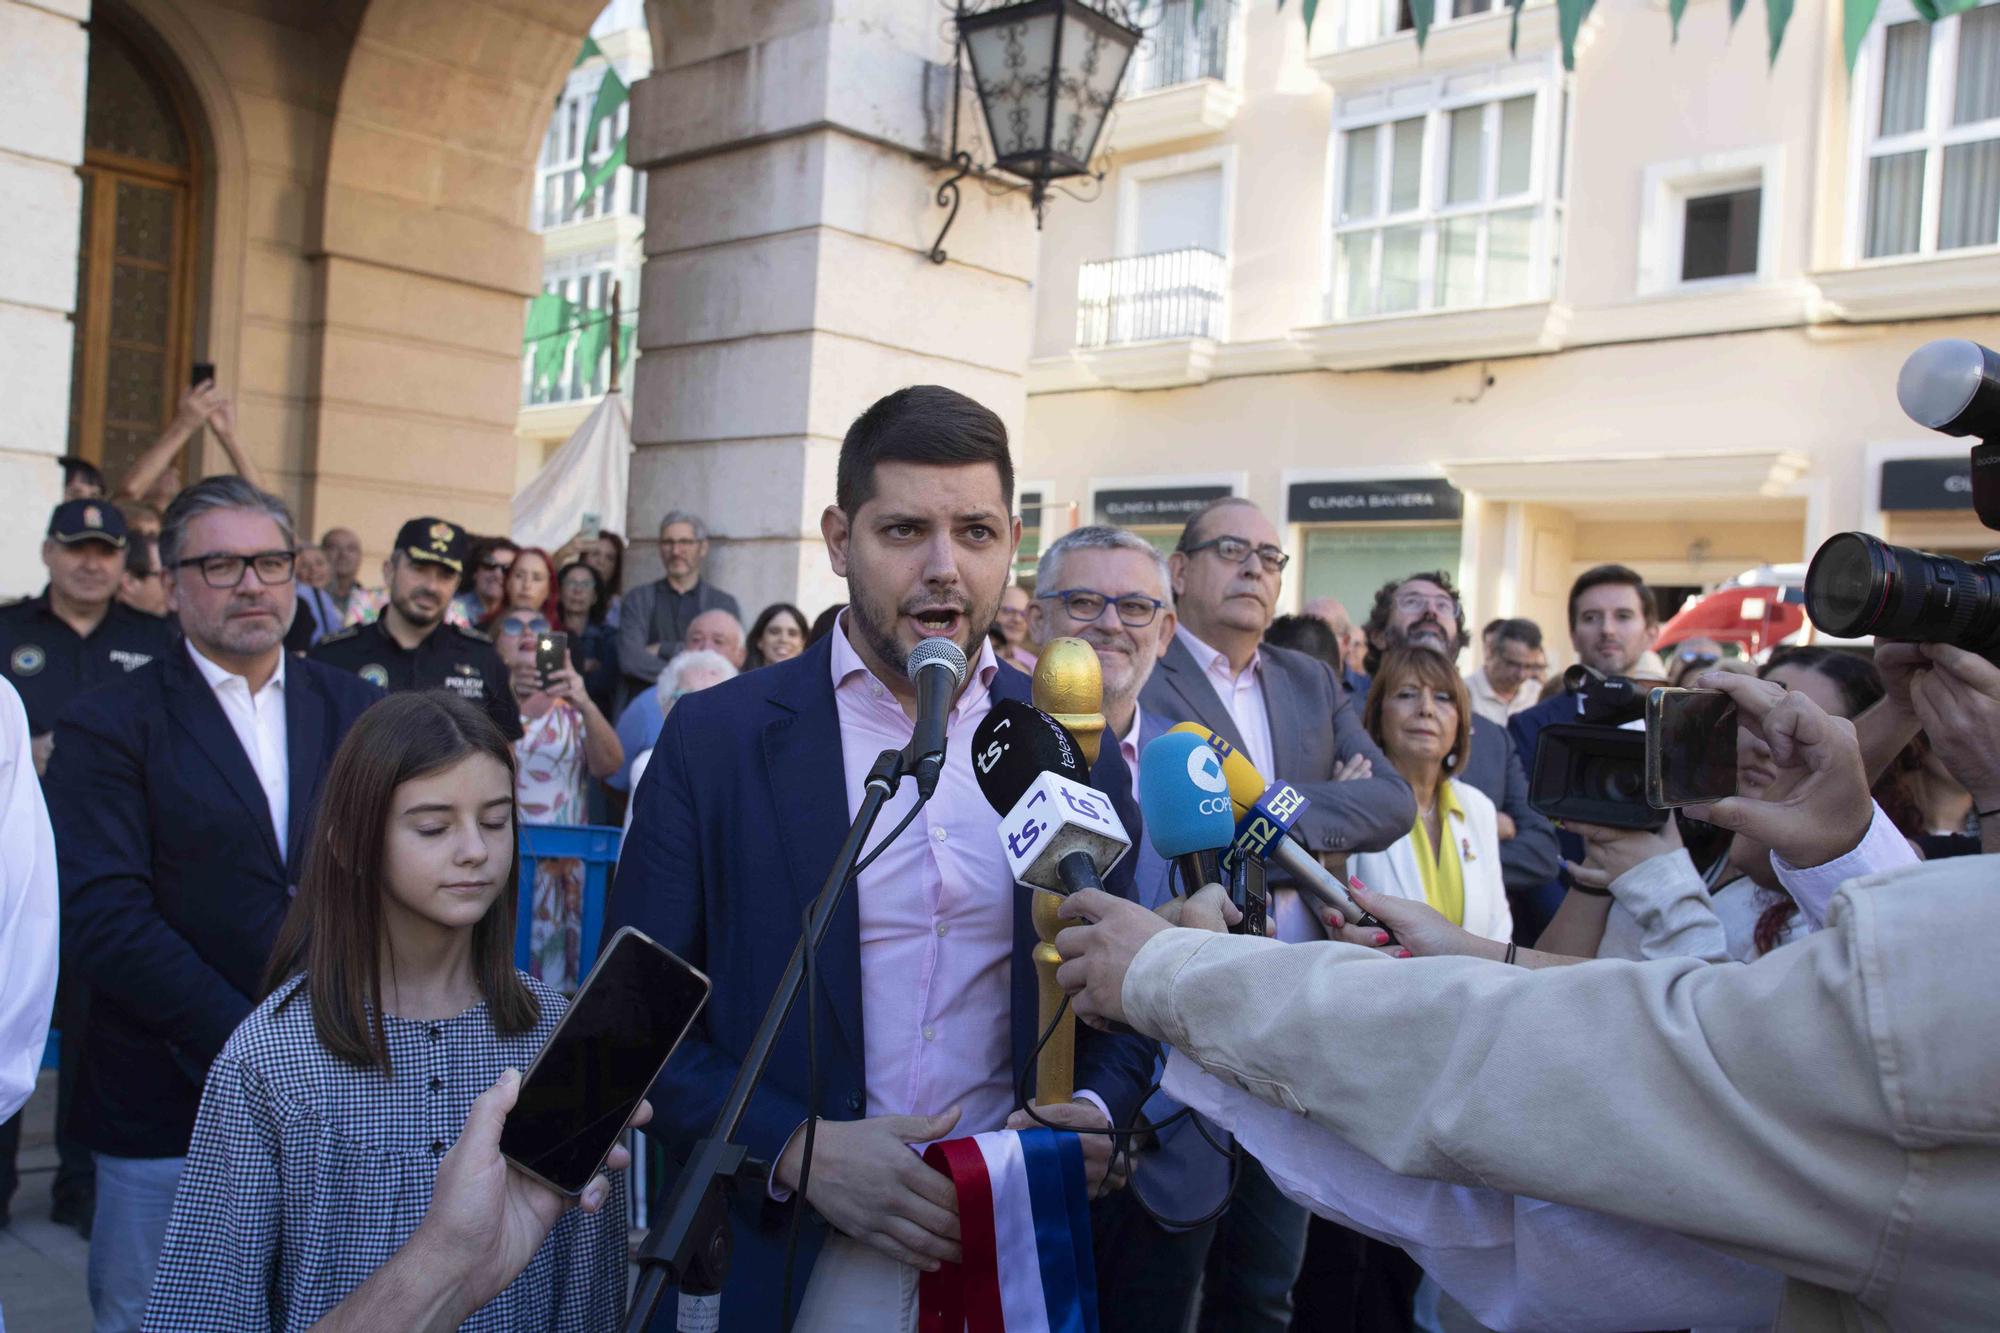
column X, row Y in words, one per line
column 1185, row 798
column 1265, row 815
column 935, row 667
column 1059, row 834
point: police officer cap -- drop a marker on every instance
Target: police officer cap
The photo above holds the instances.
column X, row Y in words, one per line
column 434, row 540
column 88, row 521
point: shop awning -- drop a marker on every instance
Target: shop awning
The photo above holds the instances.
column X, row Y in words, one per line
column 1580, row 479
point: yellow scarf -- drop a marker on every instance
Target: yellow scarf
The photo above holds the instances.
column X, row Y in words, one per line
column 1443, row 875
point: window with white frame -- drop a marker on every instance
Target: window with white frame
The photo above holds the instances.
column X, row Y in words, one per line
column 1445, row 205
column 1928, row 135
column 585, row 282
column 559, row 174
column 1706, row 220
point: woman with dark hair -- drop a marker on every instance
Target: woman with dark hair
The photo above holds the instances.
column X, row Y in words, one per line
column 606, row 555
column 391, row 1002
column 593, row 642
column 778, row 636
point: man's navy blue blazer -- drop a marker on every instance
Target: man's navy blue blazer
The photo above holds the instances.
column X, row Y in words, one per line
column 172, row 884
column 736, row 824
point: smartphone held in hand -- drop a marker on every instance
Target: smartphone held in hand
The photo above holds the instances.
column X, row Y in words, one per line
column 613, row 1041
column 1690, row 747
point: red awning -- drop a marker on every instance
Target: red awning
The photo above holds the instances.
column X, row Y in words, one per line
column 1755, row 617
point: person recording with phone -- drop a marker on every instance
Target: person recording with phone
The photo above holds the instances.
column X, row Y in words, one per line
column 1835, row 1099
column 565, row 738
column 391, row 1003
column 926, row 1005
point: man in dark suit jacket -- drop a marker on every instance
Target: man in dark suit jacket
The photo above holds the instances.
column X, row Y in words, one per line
column 927, row 1005
column 1290, row 715
column 182, row 797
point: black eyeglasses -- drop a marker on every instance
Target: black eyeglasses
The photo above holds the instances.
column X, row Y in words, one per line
column 492, row 566
column 1085, row 606
column 1235, row 550
column 226, row 571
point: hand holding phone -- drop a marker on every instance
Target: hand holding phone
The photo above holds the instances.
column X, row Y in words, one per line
column 616, row 1037
column 551, row 654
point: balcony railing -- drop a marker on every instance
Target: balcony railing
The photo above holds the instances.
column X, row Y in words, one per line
column 1181, row 45
column 1172, row 294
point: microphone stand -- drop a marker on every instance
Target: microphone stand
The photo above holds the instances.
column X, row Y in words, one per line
column 690, row 1246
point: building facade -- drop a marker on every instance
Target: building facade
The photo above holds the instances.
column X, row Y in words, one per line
column 591, row 238
column 1463, row 309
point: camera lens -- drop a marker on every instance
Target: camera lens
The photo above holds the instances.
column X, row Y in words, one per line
column 1613, row 778
column 1858, row 586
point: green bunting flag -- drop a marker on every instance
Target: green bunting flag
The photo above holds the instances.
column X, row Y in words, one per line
column 590, row 49
column 605, row 171
column 611, row 94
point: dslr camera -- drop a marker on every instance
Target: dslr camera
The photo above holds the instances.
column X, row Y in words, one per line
column 1858, row 585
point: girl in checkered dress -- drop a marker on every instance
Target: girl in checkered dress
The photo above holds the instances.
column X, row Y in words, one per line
column 392, row 1002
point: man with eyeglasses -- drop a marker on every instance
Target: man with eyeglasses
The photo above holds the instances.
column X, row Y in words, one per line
column 1292, row 718
column 71, row 636
column 1510, row 679
column 182, row 795
column 410, row 646
column 654, row 619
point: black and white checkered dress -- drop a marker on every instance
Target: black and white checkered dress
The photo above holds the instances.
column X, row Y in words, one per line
column 306, row 1174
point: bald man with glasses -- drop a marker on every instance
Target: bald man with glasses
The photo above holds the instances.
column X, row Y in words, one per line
column 1291, row 717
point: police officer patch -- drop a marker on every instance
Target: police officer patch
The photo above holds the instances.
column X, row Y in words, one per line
column 27, row 660
column 376, row 674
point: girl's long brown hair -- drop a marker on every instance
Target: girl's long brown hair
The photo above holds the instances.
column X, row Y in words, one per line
column 333, row 931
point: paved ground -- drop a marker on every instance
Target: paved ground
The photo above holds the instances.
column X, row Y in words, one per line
column 41, row 1264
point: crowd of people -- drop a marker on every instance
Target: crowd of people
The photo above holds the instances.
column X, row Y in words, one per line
column 283, row 806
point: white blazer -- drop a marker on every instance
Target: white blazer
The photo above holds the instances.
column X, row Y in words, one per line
column 1394, row 870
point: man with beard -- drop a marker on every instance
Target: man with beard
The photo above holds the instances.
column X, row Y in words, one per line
column 181, row 796
column 1112, row 589
column 927, row 996
column 1425, row 609
column 1613, row 620
column 1292, row 718
column 410, row 646
column 654, row 618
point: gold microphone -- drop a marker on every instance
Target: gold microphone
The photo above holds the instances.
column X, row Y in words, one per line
column 1069, row 687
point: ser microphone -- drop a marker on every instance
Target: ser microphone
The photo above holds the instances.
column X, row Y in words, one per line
column 1265, row 815
column 936, row 667
column 1058, row 832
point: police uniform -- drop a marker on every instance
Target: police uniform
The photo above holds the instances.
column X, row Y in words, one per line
column 49, row 663
column 461, row 661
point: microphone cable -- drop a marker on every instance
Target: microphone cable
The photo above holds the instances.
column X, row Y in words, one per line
column 812, row 1061
column 1122, row 1135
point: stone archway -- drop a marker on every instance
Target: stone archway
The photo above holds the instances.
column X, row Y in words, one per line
column 425, row 256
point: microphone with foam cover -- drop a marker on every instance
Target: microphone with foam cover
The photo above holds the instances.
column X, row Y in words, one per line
column 936, row 667
column 1059, row 833
column 1185, row 800
column 1265, row 815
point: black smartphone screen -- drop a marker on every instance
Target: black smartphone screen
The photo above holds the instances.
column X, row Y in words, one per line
column 203, row 372
column 1697, row 740
column 626, row 1020
column 551, row 652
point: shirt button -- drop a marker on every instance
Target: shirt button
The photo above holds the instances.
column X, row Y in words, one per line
column 939, row 834
column 930, row 1033
column 437, row 1084
column 942, row 928
column 437, row 1034
column 437, row 1147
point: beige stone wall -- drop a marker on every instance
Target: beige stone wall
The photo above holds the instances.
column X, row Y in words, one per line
column 41, row 143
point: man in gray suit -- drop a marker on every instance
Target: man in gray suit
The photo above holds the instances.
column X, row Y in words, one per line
column 1292, row 718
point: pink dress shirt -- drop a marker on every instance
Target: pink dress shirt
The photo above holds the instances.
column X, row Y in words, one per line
column 937, row 914
column 1242, row 695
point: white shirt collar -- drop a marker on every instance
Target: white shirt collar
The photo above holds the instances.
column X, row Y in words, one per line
column 218, row 677
column 1213, row 660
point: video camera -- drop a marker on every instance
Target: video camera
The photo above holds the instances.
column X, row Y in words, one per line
column 1601, row 770
column 1858, row 585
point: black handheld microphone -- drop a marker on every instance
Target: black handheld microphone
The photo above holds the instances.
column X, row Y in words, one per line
column 936, row 667
column 1058, row 832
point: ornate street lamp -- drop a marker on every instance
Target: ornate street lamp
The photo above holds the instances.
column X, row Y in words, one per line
column 1047, row 73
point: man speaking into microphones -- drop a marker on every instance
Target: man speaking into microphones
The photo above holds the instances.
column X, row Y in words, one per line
column 926, row 997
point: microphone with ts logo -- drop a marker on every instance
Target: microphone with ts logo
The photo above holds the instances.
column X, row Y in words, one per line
column 1059, row 833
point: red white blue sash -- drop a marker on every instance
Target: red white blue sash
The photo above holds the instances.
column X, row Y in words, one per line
column 1024, row 1222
